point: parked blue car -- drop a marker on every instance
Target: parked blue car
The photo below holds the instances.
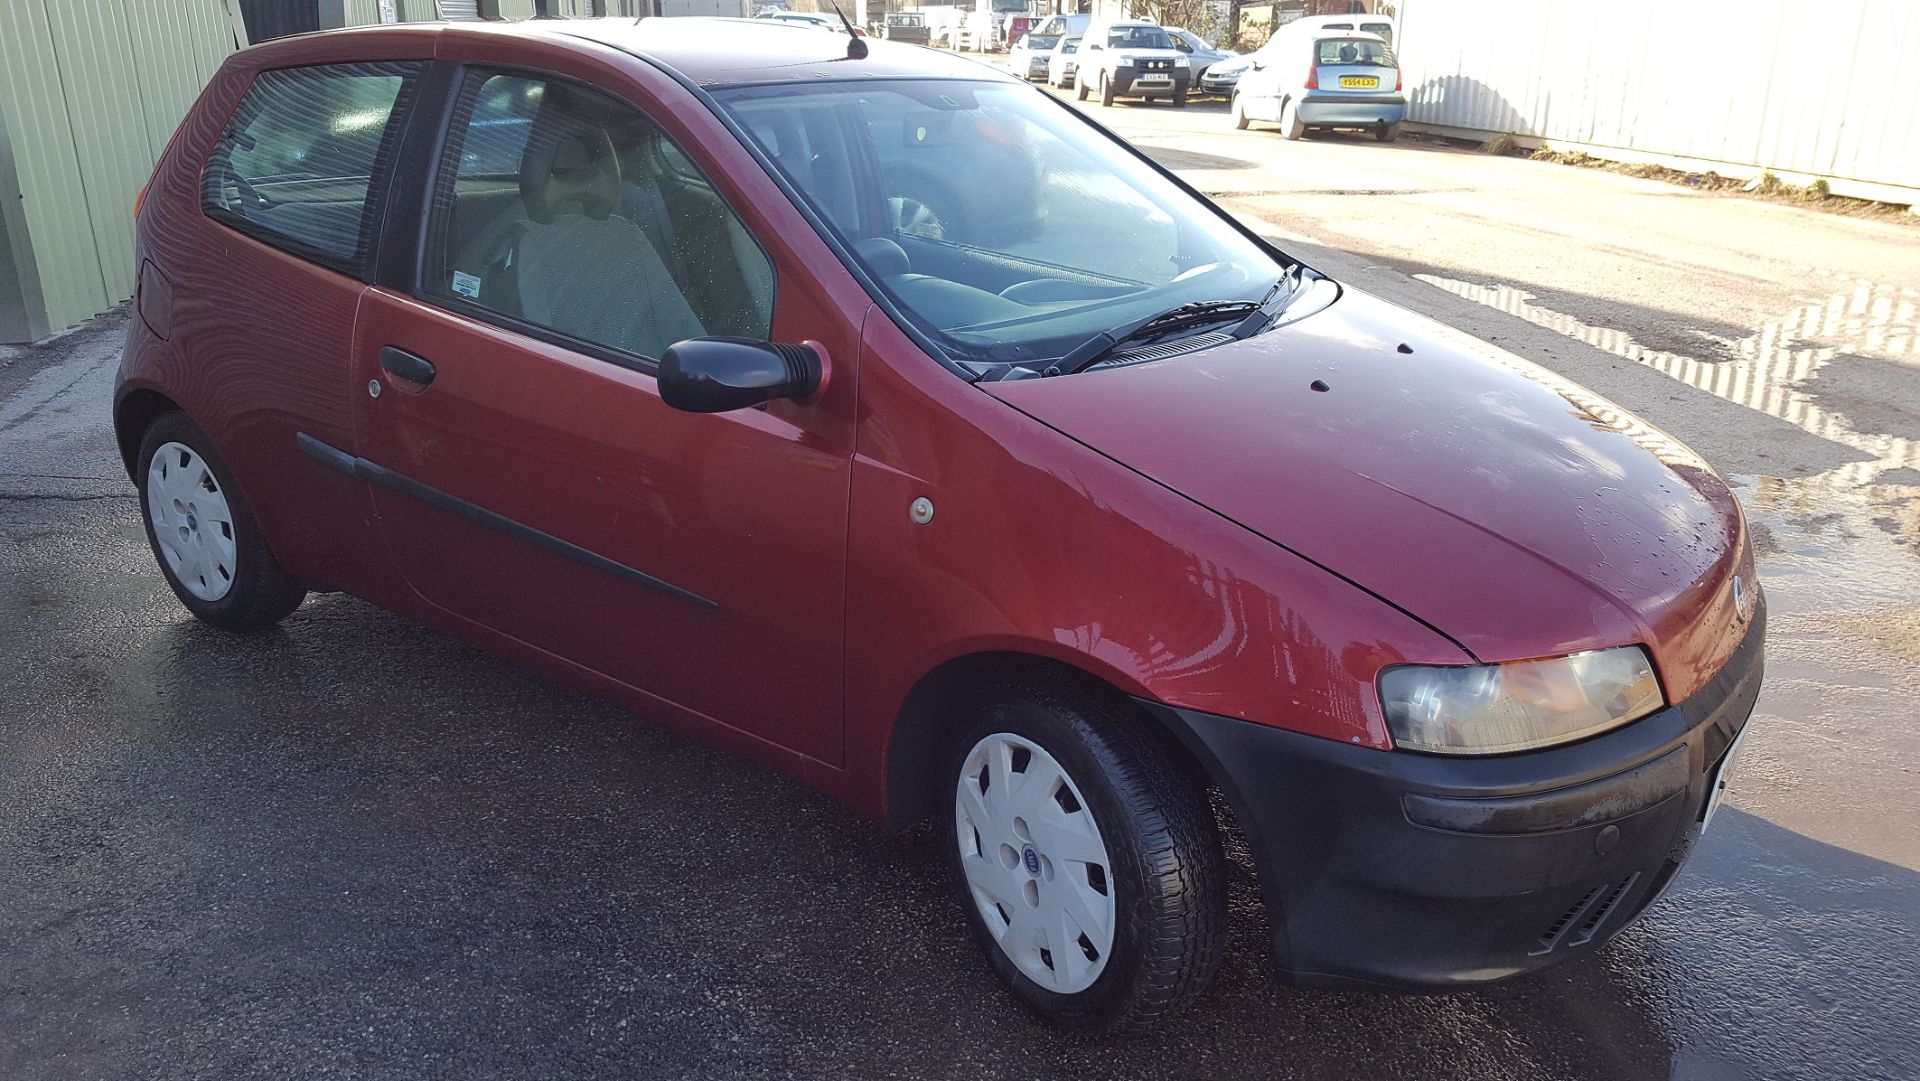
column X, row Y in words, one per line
column 1322, row 79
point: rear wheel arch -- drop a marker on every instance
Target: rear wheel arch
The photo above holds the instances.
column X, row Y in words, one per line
column 133, row 414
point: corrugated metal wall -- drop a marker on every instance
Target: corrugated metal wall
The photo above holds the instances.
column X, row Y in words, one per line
column 90, row 92
column 1830, row 89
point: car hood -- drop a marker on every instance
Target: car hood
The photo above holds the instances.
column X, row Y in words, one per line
column 1508, row 508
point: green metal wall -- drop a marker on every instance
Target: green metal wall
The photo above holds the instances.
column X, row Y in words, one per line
column 90, row 92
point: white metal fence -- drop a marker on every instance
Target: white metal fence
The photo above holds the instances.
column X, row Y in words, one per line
column 1827, row 89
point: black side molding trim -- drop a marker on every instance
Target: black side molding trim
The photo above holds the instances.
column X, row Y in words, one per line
column 341, row 462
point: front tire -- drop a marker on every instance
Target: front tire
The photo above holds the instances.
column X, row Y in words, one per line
column 1106, row 89
column 203, row 533
column 1239, row 109
column 1179, row 99
column 1086, row 855
column 1079, row 88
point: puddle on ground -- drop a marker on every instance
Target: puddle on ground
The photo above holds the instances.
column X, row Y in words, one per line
column 1774, row 370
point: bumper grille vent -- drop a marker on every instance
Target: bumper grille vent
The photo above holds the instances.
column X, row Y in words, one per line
column 1583, row 919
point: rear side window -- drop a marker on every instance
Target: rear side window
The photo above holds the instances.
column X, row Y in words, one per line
column 297, row 163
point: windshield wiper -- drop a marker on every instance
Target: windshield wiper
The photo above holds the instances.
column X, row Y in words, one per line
column 1255, row 315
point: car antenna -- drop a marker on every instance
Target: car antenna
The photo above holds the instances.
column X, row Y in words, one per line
column 856, row 45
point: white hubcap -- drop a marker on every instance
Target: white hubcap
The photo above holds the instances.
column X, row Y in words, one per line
column 1035, row 864
column 191, row 521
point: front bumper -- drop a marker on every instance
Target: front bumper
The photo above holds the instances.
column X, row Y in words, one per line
column 1219, row 84
column 1355, row 110
column 1407, row 871
column 1126, row 83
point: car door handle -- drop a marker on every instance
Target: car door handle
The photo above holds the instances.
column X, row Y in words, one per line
column 411, row 367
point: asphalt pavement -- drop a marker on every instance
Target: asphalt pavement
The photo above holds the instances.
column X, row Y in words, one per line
column 350, row 848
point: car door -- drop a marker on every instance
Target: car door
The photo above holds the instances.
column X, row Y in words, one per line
column 1280, row 70
column 527, row 476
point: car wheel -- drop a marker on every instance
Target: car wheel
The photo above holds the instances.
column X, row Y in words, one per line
column 1087, row 857
column 1290, row 124
column 1179, row 99
column 1239, row 110
column 1079, row 88
column 1106, row 90
column 203, row 534
column 1387, row 133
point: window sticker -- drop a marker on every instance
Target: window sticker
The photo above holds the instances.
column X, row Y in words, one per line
column 465, row 284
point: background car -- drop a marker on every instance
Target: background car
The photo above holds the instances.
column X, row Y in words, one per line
column 1323, row 79
column 822, row 22
column 1223, row 75
column 908, row 28
column 1063, row 62
column 1028, row 56
column 1200, row 55
column 1132, row 58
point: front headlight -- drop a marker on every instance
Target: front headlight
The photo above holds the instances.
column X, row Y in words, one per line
column 1179, row 61
column 1123, row 60
column 1499, row 708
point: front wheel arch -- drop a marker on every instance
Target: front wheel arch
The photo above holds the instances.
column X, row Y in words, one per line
column 931, row 713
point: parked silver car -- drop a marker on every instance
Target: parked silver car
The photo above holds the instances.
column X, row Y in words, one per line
column 1028, row 56
column 1199, row 54
column 1063, row 63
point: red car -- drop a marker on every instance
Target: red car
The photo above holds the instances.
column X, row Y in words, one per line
column 619, row 350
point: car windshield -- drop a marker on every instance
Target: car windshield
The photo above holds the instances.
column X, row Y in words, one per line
column 1138, row 37
column 1360, row 51
column 1072, row 46
column 1042, row 42
column 1006, row 229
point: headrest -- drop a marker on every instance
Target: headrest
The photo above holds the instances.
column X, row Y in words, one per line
column 882, row 256
column 569, row 159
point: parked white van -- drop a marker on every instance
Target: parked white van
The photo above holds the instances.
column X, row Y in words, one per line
column 1378, row 25
column 1068, row 26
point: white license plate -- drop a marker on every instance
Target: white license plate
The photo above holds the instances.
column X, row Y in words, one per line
column 1717, row 787
column 1155, row 79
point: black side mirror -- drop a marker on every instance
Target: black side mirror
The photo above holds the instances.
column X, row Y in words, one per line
column 714, row 375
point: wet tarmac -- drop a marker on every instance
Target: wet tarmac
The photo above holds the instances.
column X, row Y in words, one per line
column 348, row 848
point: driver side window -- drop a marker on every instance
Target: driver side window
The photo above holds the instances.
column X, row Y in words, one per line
column 562, row 209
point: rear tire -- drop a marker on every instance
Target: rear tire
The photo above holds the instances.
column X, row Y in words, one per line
column 1116, row 843
column 214, row 555
column 1290, row 123
column 1106, row 90
column 1387, row 133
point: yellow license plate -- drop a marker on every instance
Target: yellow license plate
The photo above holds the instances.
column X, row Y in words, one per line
column 1359, row 82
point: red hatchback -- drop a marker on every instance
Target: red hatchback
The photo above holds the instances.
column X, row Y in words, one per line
column 645, row 355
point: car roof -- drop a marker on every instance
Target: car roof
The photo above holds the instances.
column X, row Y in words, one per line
column 709, row 52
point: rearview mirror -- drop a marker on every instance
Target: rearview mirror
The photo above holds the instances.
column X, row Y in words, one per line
column 714, row 375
